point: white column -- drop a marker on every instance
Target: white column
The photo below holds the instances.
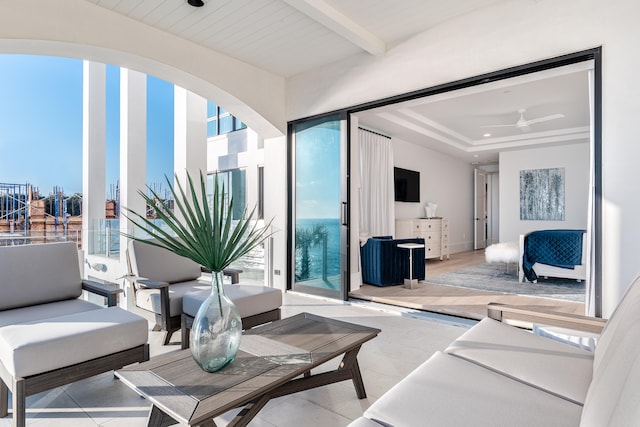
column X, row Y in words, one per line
column 354, row 203
column 190, row 135
column 93, row 149
column 133, row 150
column 275, row 207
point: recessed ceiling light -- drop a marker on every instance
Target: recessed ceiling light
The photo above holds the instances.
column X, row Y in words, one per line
column 486, row 135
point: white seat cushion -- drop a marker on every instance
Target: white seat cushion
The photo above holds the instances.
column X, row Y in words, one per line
column 449, row 391
column 249, row 299
column 41, row 346
column 45, row 311
column 149, row 299
column 581, row 339
column 553, row 366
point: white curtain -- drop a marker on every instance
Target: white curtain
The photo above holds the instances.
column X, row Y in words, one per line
column 590, row 296
column 377, row 216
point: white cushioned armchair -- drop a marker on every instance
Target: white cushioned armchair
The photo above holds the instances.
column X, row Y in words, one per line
column 49, row 335
column 161, row 280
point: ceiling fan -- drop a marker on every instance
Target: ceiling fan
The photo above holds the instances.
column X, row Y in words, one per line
column 523, row 124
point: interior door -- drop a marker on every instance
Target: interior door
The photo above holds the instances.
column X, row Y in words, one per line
column 480, row 209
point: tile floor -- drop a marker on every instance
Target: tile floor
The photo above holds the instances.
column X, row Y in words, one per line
column 407, row 339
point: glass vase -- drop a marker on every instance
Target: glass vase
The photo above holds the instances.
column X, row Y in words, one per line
column 217, row 327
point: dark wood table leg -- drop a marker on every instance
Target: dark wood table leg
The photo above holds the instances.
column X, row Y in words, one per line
column 356, row 376
column 249, row 412
column 158, row 418
column 348, row 370
column 350, row 363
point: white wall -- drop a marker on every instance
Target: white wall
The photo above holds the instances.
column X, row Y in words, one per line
column 508, row 34
column 494, row 208
column 573, row 158
column 444, row 180
column 245, row 149
column 275, row 204
column 242, row 149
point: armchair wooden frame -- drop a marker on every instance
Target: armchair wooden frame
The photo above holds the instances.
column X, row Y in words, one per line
column 27, row 386
column 524, row 316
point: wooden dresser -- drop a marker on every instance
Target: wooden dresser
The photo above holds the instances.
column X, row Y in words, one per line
column 434, row 231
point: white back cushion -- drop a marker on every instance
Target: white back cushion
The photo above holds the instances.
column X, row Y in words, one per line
column 155, row 263
column 39, row 273
column 613, row 398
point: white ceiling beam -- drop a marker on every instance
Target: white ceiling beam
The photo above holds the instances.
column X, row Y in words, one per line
column 336, row 21
column 422, row 130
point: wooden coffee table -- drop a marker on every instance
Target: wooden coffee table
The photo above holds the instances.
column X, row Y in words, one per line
column 274, row 360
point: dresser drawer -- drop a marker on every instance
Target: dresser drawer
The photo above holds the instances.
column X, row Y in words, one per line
column 434, row 237
column 432, row 250
column 426, row 225
column 434, row 231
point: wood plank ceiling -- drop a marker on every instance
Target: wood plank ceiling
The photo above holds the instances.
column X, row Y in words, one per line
column 288, row 37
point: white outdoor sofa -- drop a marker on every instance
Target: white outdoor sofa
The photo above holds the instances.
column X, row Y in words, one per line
column 499, row 375
column 49, row 335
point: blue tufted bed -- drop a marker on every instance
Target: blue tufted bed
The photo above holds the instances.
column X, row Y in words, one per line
column 553, row 253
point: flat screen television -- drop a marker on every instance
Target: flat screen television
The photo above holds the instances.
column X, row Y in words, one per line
column 406, row 185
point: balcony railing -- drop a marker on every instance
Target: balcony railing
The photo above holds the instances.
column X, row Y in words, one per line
column 30, row 237
column 104, row 240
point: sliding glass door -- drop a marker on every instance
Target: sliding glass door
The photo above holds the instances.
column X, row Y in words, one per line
column 318, row 207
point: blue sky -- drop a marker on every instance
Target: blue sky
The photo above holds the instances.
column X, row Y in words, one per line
column 318, row 170
column 41, row 124
column 41, row 134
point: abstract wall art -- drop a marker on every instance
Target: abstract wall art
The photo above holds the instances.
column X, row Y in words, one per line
column 542, row 194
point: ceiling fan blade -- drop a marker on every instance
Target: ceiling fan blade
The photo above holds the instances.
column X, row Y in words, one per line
column 497, row 126
column 545, row 118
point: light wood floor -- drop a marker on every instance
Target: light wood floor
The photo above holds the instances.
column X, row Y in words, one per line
column 454, row 301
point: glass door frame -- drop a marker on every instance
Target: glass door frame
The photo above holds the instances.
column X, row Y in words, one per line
column 345, row 212
column 594, row 54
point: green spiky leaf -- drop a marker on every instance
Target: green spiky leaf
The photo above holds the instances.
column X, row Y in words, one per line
column 210, row 238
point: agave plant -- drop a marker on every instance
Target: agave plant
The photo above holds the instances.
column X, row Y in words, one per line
column 207, row 237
